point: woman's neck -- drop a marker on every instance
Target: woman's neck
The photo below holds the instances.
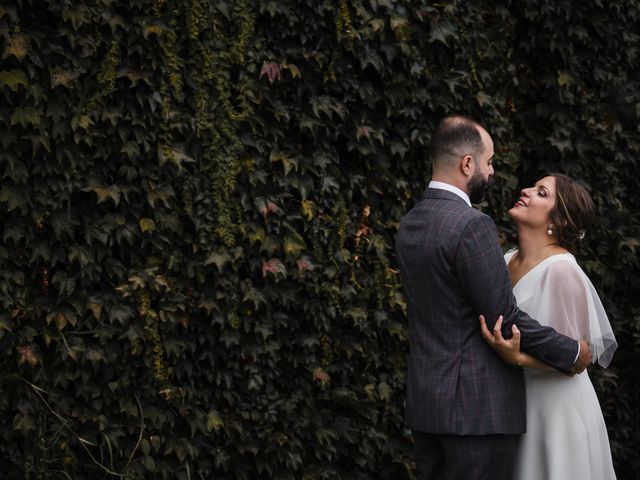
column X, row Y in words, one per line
column 534, row 246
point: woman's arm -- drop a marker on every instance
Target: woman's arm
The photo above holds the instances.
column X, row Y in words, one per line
column 527, row 361
column 509, row 350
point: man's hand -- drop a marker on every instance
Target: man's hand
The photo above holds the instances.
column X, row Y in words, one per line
column 584, row 359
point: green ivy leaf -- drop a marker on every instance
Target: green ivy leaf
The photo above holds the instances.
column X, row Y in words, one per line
column 13, row 79
column 13, row 197
column 287, row 162
column 149, row 463
column 23, row 423
column 26, row 116
column 401, row 28
column 564, row 79
column 384, row 391
column 294, row 244
column 442, row 30
column 219, row 259
column 96, row 309
column 78, row 16
column 147, row 225
column 214, row 421
column 61, row 319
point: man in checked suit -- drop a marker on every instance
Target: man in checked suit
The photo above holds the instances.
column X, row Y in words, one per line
column 464, row 405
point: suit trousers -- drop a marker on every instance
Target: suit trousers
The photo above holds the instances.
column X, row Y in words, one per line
column 464, row 457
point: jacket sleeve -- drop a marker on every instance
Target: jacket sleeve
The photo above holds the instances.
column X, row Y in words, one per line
column 484, row 278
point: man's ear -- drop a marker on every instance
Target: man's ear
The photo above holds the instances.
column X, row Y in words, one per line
column 467, row 165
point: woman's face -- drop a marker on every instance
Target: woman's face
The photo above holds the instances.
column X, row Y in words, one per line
column 534, row 206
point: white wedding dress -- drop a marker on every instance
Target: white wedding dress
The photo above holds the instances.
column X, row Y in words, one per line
column 566, row 435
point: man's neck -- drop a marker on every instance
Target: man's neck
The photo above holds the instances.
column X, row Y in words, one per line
column 451, row 188
column 458, row 183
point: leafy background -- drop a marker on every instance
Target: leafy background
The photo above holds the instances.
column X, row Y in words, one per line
column 199, row 200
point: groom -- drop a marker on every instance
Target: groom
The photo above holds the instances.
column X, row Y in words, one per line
column 464, row 405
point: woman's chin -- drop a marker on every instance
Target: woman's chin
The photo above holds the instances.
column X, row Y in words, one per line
column 516, row 214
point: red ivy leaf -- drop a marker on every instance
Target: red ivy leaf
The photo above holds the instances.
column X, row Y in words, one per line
column 272, row 70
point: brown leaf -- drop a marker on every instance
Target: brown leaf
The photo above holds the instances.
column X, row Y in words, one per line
column 17, row 46
column 26, row 355
column 321, row 376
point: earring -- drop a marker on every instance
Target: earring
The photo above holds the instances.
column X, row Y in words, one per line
column 550, row 230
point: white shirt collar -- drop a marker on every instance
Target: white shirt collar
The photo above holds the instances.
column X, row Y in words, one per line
column 450, row 188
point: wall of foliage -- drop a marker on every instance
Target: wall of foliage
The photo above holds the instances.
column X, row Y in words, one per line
column 198, row 204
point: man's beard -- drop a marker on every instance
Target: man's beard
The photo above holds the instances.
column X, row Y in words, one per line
column 477, row 187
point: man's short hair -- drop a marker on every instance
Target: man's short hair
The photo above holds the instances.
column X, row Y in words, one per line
column 454, row 137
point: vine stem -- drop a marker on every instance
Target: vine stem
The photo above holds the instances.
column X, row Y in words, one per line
column 139, row 436
column 39, row 392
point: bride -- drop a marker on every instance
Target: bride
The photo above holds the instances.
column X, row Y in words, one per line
column 566, row 434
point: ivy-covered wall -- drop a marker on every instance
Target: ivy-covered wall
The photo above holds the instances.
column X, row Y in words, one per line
column 198, row 204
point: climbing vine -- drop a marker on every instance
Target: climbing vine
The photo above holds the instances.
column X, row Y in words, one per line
column 199, row 202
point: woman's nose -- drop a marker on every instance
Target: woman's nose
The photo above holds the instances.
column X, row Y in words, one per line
column 525, row 192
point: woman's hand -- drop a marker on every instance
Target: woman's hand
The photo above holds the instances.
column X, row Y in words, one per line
column 509, row 350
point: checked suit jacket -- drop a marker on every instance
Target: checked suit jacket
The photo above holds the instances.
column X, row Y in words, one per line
column 453, row 270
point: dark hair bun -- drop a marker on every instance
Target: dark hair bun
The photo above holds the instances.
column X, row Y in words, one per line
column 574, row 211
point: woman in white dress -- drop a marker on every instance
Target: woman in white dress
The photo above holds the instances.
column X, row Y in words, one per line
column 566, row 435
